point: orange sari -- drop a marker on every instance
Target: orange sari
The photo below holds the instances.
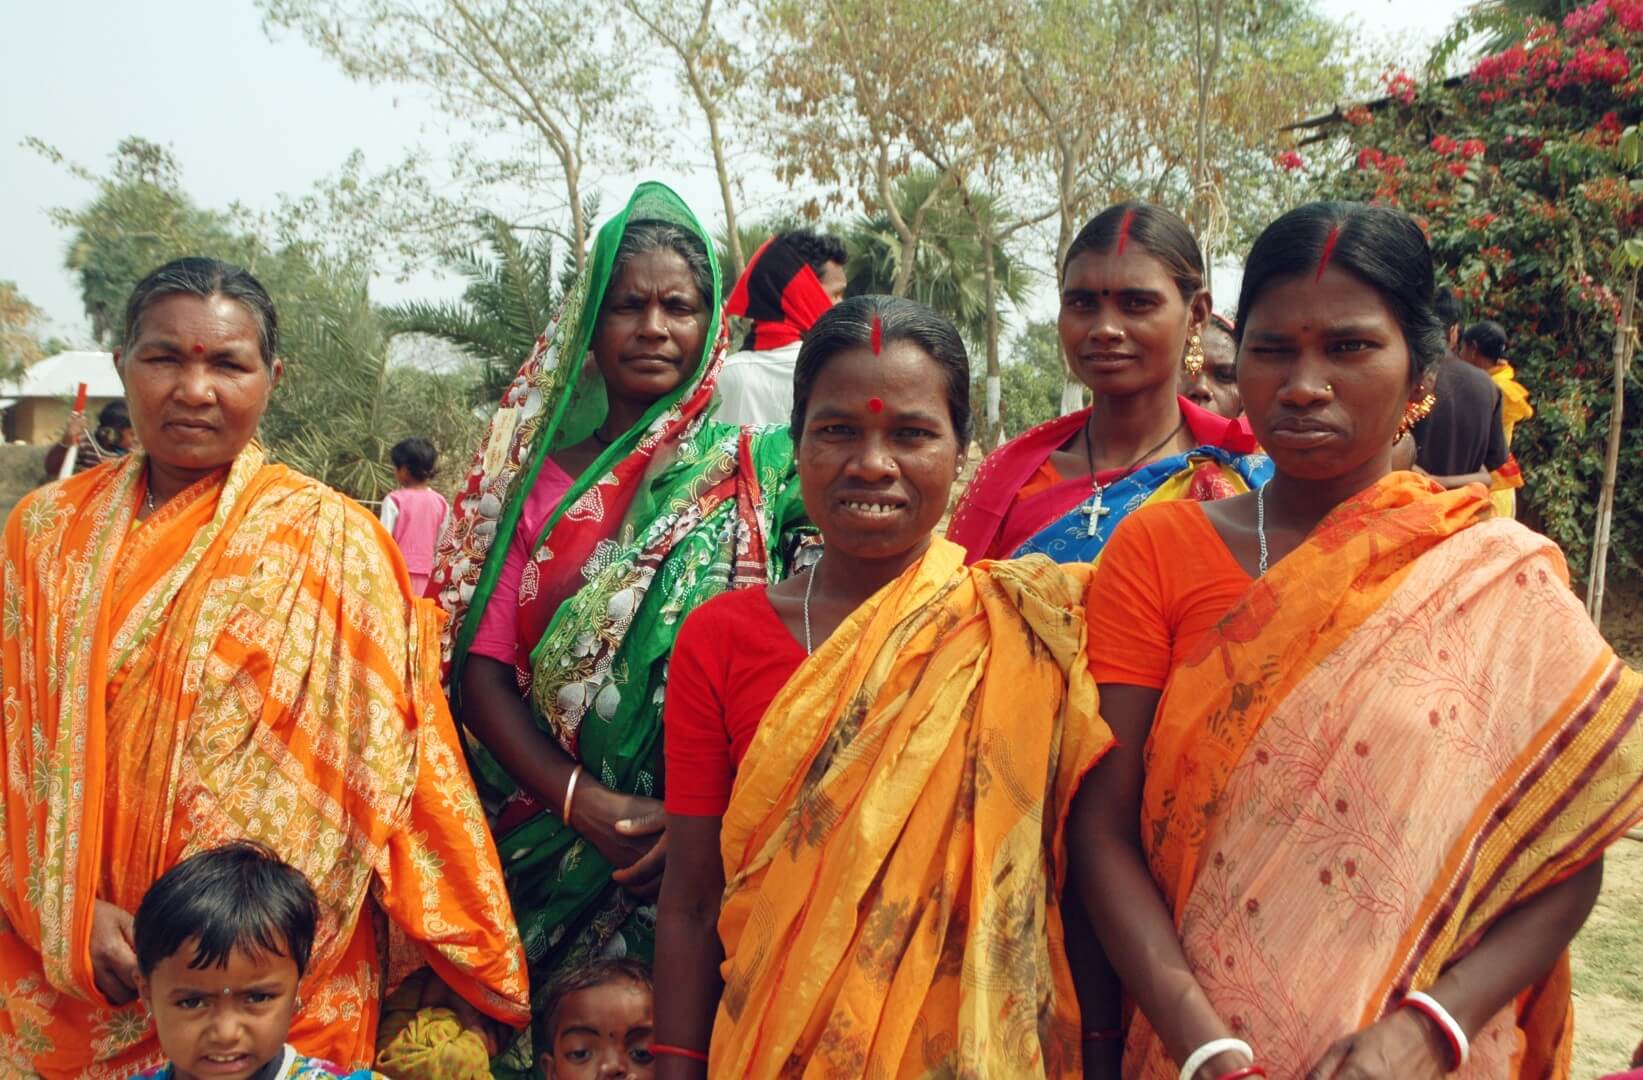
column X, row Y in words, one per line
column 893, row 846
column 248, row 662
column 1406, row 728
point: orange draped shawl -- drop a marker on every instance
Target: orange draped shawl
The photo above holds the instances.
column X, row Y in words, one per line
column 247, row 662
column 893, row 843
column 1403, row 730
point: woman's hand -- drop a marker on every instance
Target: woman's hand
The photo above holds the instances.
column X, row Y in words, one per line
column 113, row 958
column 1400, row 1046
column 629, row 831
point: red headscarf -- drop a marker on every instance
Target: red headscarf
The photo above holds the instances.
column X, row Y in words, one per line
column 780, row 293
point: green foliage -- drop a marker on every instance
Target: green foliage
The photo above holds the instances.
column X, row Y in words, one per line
column 1032, row 379
column 1525, row 176
column 948, row 270
column 20, row 344
column 511, row 297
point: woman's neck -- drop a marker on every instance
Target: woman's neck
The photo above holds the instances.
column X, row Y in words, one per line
column 1121, row 428
column 1298, row 504
column 620, row 415
column 849, row 581
column 166, row 482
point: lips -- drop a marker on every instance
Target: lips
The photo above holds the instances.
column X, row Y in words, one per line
column 871, row 506
column 223, row 1064
column 200, row 427
column 1301, row 433
column 650, row 360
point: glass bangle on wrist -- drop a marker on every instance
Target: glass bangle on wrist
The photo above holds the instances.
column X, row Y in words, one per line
column 1459, row 1048
column 1213, row 1049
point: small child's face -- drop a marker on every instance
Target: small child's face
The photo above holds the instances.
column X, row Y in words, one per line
column 221, row 1023
column 604, row 1032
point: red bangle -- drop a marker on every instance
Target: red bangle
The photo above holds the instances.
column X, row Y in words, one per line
column 678, row 1051
column 1109, row 1035
column 1244, row 1073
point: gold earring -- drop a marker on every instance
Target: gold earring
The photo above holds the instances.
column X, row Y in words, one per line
column 1414, row 413
column 1194, row 360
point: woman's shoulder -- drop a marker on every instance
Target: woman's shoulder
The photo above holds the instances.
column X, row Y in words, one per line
column 732, row 611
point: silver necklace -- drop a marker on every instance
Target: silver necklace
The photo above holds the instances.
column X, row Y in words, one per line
column 809, row 583
column 1260, row 525
column 148, row 497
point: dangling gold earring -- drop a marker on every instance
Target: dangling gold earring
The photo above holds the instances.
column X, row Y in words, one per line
column 1194, row 360
column 1414, row 413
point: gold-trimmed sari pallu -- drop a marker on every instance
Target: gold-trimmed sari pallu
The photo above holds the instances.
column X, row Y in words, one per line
column 248, row 662
column 1405, row 729
column 893, row 844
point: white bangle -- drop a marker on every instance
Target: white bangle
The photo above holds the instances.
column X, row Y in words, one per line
column 570, row 794
column 1211, row 1049
column 1429, row 1007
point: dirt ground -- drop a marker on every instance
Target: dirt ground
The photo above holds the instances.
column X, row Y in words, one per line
column 1608, row 968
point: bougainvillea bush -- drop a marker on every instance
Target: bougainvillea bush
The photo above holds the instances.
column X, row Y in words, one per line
column 1518, row 173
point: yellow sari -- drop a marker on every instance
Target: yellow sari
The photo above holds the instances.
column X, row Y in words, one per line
column 893, row 844
column 1406, row 728
column 1515, row 407
column 247, row 662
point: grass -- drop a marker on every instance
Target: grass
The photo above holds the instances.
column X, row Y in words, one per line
column 1608, row 968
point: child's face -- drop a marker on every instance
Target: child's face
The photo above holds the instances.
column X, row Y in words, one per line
column 221, row 1023
column 602, row 1032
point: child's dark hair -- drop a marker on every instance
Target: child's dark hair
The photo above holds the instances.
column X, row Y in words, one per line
column 594, row 973
column 416, row 456
column 237, row 896
column 849, row 324
column 1488, row 337
column 1381, row 247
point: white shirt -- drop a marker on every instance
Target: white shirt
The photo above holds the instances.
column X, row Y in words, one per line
column 757, row 387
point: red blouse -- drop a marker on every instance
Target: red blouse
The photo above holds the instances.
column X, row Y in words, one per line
column 731, row 658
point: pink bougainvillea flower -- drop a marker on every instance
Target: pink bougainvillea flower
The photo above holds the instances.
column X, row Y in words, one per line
column 1457, row 167
column 1443, row 144
column 1472, row 148
column 1370, row 158
column 1289, row 161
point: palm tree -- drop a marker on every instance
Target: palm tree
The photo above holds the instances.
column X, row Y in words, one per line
column 1503, row 22
column 511, row 297
column 949, row 271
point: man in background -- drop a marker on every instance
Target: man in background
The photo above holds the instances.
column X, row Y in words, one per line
column 789, row 282
column 1461, row 441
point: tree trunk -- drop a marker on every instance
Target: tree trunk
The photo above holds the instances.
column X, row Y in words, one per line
column 995, row 425
column 578, row 220
column 1072, row 391
column 722, row 169
column 1624, row 339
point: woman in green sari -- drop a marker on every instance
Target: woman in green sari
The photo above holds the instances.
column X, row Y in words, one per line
column 603, row 506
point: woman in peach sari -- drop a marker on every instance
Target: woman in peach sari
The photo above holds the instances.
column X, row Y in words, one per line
column 201, row 646
column 1370, row 749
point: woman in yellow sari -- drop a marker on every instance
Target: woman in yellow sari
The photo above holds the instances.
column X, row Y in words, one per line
column 1370, row 747
column 1483, row 345
column 199, row 646
column 884, row 833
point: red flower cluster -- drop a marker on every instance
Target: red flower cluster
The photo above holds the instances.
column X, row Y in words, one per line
column 1400, row 86
column 1583, row 22
column 1457, row 168
column 1443, row 144
column 1472, row 148
column 1482, row 221
column 1289, row 161
column 1358, row 116
column 1592, row 64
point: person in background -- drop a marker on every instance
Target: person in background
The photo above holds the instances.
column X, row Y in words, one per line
column 1133, row 309
column 599, row 1020
column 223, row 941
column 1483, row 345
column 1459, row 437
column 113, row 439
column 1370, row 748
column 1215, row 386
column 415, row 512
column 789, row 282
column 849, row 770
column 200, row 646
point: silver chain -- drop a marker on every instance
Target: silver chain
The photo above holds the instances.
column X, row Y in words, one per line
column 148, row 497
column 1260, row 525
column 809, row 583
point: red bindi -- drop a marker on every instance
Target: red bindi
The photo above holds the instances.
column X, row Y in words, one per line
column 1124, row 230
column 1329, row 249
column 199, row 350
column 875, row 404
column 878, row 337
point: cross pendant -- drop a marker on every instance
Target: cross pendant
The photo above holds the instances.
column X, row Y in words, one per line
column 1093, row 512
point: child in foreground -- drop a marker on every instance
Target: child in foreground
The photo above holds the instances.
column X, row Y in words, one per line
column 598, row 1023
column 222, row 941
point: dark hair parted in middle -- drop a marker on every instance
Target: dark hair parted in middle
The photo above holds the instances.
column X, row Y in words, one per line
column 1157, row 231
column 416, row 456
column 1488, row 337
column 237, row 896
column 649, row 234
column 849, row 324
column 1379, row 246
column 205, row 278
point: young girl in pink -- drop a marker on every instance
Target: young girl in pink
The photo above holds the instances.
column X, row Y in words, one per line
column 415, row 512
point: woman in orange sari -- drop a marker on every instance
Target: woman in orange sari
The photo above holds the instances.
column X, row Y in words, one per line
column 1370, row 749
column 199, row 646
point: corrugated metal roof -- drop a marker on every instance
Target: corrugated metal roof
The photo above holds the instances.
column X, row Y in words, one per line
column 59, row 376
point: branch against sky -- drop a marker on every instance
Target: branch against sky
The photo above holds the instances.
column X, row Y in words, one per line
column 552, row 69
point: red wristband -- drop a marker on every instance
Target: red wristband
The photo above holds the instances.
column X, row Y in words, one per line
column 677, row 1051
column 1244, row 1073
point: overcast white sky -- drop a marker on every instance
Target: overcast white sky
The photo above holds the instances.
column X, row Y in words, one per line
column 248, row 117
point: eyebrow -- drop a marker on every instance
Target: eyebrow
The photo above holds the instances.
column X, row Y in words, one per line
column 835, row 412
column 1130, row 291
column 1339, row 330
column 254, row 988
column 579, row 1029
